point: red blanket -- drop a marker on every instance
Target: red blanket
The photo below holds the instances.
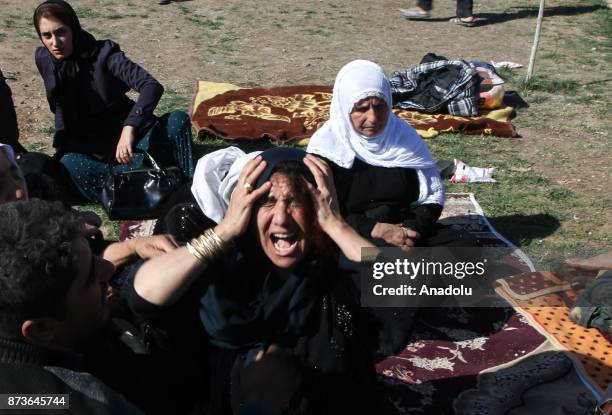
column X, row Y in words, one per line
column 290, row 114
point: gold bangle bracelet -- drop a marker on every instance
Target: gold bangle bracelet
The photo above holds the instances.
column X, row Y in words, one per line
column 193, row 251
column 207, row 247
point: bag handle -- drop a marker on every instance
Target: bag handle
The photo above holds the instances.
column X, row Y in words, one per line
column 136, row 150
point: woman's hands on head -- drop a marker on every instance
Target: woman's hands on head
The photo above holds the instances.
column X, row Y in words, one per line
column 328, row 211
column 125, row 148
column 244, row 196
column 395, row 234
column 324, row 194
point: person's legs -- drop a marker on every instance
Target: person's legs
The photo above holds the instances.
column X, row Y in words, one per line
column 170, row 140
column 464, row 10
column 425, row 5
column 420, row 12
column 88, row 174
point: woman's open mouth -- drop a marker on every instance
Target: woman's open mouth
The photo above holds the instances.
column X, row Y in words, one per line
column 284, row 243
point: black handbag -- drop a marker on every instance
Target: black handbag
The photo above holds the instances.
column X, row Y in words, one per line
column 140, row 193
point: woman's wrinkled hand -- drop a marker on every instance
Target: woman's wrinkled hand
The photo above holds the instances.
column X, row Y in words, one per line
column 324, row 194
column 244, row 196
column 395, row 234
column 125, row 148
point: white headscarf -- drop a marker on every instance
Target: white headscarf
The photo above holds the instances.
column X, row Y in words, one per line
column 10, row 155
column 398, row 145
column 215, row 177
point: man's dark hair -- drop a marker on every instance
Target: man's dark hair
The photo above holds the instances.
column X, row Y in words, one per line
column 36, row 261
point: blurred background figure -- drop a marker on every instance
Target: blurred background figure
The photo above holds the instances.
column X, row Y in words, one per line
column 423, row 9
column 8, row 118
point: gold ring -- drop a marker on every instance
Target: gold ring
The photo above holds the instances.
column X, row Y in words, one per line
column 248, row 187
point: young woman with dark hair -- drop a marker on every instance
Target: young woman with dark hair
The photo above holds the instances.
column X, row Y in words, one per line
column 86, row 81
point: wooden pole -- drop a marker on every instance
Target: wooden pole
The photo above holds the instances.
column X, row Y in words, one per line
column 536, row 41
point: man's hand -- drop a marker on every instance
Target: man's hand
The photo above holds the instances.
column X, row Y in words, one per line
column 121, row 253
column 91, row 224
column 152, row 246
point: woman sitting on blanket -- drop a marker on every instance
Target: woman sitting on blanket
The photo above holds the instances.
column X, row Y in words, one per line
column 86, row 81
column 268, row 291
column 388, row 186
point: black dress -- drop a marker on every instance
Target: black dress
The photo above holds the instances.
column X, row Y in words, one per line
column 369, row 194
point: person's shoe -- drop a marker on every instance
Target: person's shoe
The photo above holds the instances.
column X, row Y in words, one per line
column 414, row 13
column 461, row 22
column 163, row 2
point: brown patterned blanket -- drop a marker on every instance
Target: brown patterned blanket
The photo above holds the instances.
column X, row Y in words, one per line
column 291, row 114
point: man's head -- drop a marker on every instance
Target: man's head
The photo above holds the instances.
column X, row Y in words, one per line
column 52, row 289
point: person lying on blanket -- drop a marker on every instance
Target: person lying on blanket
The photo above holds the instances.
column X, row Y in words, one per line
column 264, row 282
column 388, row 186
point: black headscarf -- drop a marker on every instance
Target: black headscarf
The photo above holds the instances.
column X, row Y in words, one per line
column 67, row 70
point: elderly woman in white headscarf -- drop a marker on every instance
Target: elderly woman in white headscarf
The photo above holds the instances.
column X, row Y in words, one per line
column 389, row 188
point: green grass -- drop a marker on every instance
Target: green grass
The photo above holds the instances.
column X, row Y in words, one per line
column 225, row 44
column 530, row 210
column 201, row 20
column 218, row 41
column 173, row 100
column 47, row 128
column 2, row 36
column 554, row 56
column 317, row 31
column 21, row 25
column 38, row 146
column 85, row 12
column 550, row 85
column 110, row 228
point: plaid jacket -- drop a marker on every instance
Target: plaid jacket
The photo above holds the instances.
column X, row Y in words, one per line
column 454, row 87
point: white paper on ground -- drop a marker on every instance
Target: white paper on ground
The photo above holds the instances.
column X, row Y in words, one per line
column 468, row 174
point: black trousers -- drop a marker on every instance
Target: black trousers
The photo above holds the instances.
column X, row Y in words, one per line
column 464, row 7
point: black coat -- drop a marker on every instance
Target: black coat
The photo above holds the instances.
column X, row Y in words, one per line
column 104, row 109
column 9, row 134
column 26, row 369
